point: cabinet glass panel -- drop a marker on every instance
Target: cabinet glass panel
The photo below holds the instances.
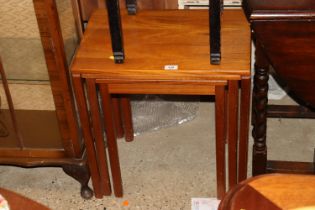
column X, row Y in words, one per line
column 25, row 68
column 68, row 27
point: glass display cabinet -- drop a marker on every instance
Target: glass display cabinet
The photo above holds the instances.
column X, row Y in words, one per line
column 38, row 121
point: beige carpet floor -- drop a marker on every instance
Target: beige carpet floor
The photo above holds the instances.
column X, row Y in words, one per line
column 162, row 169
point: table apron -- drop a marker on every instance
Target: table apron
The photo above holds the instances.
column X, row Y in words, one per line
column 169, row 88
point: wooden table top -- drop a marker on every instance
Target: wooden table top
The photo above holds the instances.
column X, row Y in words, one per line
column 273, row 191
column 287, row 191
column 153, row 39
column 18, row 202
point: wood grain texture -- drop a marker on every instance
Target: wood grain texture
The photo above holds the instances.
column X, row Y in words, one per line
column 289, row 167
column 17, row 201
column 284, row 32
column 127, row 118
column 290, row 48
column 177, row 37
column 154, row 39
column 111, row 140
column 232, row 132
column 243, row 196
column 220, row 133
column 117, row 117
column 289, row 111
column 287, row 191
column 67, row 143
column 260, row 100
column 52, row 41
column 88, row 139
column 57, row 160
column 272, row 192
column 161, row 88
column 244, row 128
column 28, row 154
column 97, row 129
column 55, row 150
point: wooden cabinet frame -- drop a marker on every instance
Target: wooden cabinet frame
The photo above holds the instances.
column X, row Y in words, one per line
column 71, row 157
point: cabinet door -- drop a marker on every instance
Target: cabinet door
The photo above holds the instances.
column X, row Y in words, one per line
column 38, row 122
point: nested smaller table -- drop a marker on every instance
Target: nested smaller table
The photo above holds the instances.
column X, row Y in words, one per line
column 168, row 53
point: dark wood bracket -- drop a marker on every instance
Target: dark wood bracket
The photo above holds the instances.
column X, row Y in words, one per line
column 215, row 8
column 131, row 6
column 115, row 30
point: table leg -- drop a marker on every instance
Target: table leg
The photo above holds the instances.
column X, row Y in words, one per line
column 127, row 118
column 111, row 140
column 260, row 98
column 232, row 131
column 89, row 143
column 117, row 117
column 244, row 128
column 98, row 134
column 226, row 116
column 220, row 139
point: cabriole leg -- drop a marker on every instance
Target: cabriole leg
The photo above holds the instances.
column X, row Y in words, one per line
column 80, row 173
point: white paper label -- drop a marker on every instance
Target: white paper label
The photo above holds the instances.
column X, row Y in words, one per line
column 171, row 67
column 204, row 204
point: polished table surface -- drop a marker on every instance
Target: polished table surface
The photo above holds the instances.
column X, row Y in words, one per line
column 18, row 202
column 272, row 192
column 153, row 39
